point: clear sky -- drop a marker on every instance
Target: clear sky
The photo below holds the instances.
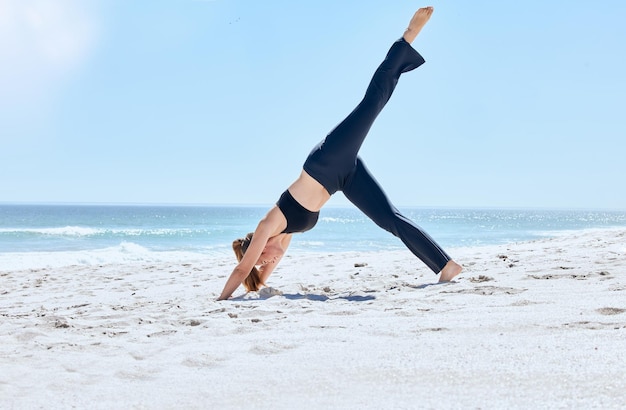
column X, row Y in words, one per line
column 520, row 104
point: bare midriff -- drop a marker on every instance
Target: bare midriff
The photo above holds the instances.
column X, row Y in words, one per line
column 309, row 193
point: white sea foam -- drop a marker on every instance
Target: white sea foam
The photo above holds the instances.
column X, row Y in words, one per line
column 566, row 233
column 60, row 231
column 80, row 231
column 304, row 244
column 124, row 253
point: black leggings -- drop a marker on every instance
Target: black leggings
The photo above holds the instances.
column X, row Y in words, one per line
column 335, row 163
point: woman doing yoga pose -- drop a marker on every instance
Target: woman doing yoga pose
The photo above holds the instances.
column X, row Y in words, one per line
column 334, row 165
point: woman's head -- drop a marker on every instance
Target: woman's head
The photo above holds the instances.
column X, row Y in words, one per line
column 253, row 281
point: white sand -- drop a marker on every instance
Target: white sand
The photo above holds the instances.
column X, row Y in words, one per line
column 539, row 324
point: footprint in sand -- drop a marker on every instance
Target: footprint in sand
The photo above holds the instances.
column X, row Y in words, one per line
column 595, row 325
column 59, row 322
column 610, row 311
column 162, row 333
column 141, row 375
column 481, row 278
column 203, row 361
column 191, row 322
column 566, row 276
column 436, row 329
column 487, row 291
column 28, row 335
column 270, row 348
column 524, row 303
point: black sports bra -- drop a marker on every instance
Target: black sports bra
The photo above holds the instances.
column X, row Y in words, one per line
column 299, row 219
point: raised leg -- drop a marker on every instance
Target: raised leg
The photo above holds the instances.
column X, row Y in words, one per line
column 334, row 157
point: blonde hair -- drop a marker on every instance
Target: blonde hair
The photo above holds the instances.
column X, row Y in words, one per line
column 253, row 281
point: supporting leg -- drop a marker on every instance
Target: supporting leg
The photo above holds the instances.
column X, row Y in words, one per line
column 365, row 192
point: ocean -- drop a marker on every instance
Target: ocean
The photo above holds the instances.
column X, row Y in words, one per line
column 36, row 236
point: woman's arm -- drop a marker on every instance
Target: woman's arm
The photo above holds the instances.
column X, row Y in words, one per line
column 272, row 224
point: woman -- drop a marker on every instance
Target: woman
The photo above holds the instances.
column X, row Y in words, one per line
column 333, row 166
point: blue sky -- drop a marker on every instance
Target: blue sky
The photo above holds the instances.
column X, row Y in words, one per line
column 520, row 104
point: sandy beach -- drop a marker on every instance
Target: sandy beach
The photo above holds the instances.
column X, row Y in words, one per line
column 534, row 324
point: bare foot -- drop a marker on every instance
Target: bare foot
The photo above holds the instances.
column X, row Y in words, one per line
column 419, row 20
column 450, row 271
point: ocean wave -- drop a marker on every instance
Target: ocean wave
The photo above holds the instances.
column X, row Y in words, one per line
column 568, row 232
column 305, row 244
column 124, row 253
column 59, row 231
column 80, row 231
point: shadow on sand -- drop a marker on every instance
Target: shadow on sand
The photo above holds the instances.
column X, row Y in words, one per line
column 299, row 296
column 427, row 285
column 324, row 298
column 267, row 293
